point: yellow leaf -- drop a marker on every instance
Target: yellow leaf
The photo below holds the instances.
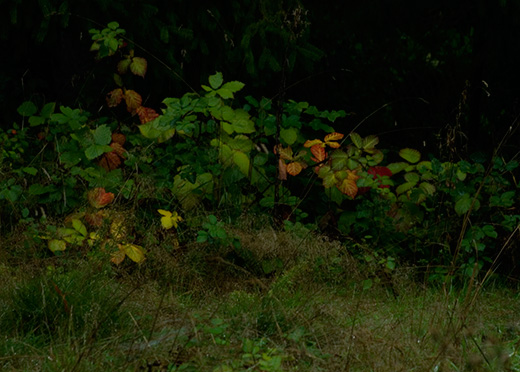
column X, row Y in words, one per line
column 134, row 252
column 333, row 137
column 310, row 143
column 170, row 219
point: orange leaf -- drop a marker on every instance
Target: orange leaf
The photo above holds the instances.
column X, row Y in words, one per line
column 349, row 184
column 146, row 114
column 319, row 153
column 315, row 142
column 282, row 170
column 138, row 66
column 333, row 137
column 294, row 168
column 114, row 97
column 118, row 257
column 98, row 197
column 133, row 100
column 119, row 138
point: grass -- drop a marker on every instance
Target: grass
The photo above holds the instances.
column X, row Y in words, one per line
column 284, row 301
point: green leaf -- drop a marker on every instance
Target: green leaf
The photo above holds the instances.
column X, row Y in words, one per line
column 356, row 140
column 30, row 170
column 79, row 227
column 410, row 155
column 233, row 86
column 102, row 135
column 370, row 142
column 216, row 80
column 463, row 204
column 113, row 25
column 48, row 110
column 94, row 151
column 225, row 93
column 27, row 109
column 397, row 167
column 242, row 161
column 404, row 187
column 428, row 188
column 289, row 135
column 412, row 177
column 34, row 121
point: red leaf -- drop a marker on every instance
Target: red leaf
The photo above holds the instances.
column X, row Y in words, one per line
column 98, row 197
column 95, row 219
column 133, row 100
column 380, row 171
column 146, row 114
column 114, row 97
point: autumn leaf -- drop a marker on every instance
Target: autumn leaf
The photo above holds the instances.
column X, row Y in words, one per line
column 133, row 251
column 349, row 185
column 118, row 257
column 311, row 143
column 98, row 197
column 286, row 154
column 133, row 100
column 114, row 97
column 57, row 245
column 122, row 66
column 110, row 161
column 294, row 168
column 119, row 138
column 330, row 138
column 170, row 219
column 95, row 219
column 146, row 114
column 319, row 153
column 138, row 66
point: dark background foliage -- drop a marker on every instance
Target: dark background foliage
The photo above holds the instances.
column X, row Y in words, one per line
column 442, row 72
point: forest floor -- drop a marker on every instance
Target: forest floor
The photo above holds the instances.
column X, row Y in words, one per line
column 316, row 309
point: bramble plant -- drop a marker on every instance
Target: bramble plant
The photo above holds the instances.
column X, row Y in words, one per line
column 206, row 151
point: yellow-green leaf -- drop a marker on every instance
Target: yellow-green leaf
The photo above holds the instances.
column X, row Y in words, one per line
column 410, row 155
column 57, row 245
column 133, row 251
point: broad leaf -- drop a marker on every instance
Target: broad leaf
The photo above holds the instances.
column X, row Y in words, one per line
column 241, row 160
column 146, row 114
column 356, row 140
column 133, row 251
column 311, row 143
column 102, row 135
column 138, row 66
column 133, row 100
column 319, row 153
column 294, row 168
column 27, row 109
column 233, row 86
column 114, row 97
column 57, row 245
column 122, row 66
column 289, row 135
column 369, row 143
column 216, row 80
column 98, row 197
column 410, row 155
column 349, row 185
